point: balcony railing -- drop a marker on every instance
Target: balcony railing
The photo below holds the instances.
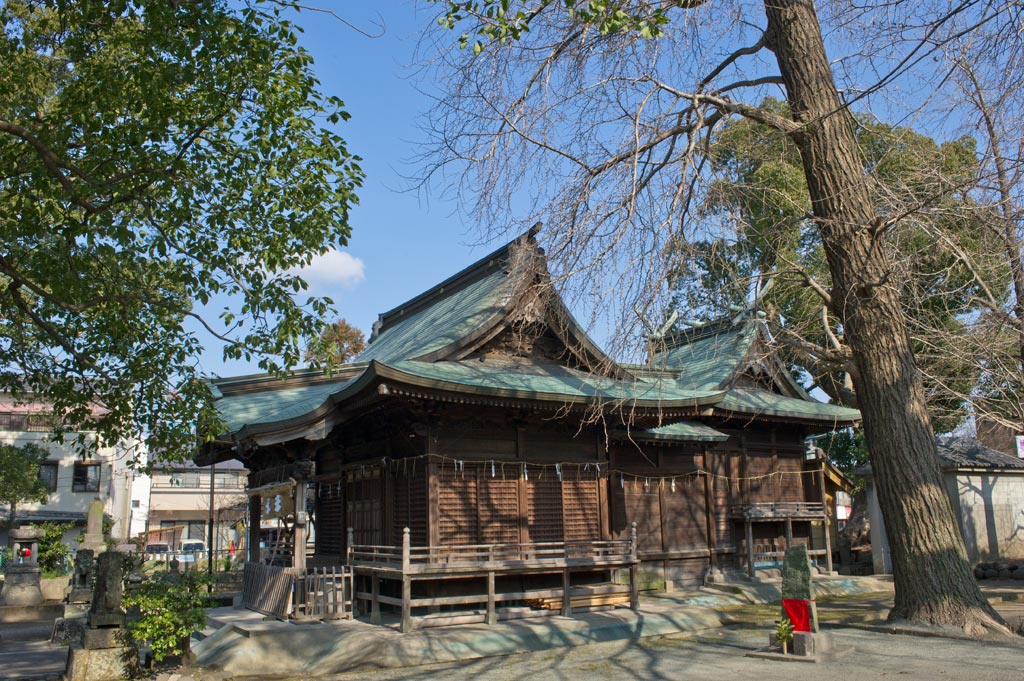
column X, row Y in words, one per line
column 780, row 510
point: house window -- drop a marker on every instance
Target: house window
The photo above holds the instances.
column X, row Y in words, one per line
column 86, row 477
column 136, row 503
column 48, row 474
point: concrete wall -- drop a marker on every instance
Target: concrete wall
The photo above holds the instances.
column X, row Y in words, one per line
column 992, row 514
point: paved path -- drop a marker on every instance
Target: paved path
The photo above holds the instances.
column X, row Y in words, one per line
column 31, row 659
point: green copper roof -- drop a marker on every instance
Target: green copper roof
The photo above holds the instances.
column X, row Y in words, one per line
column 684, row 431
column 764, row 403
column 275, row 404
column 711, row 358
column 446, row 321
column 548, row 381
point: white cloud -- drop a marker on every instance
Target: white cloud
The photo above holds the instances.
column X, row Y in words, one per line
column 334, row 269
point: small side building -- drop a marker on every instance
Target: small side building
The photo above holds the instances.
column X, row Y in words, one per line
column 986, row 489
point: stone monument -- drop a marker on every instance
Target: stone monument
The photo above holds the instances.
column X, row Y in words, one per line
column 94, row 540
column 798, row 605
column 103, row 654
column 81, row 579
column 21, row 579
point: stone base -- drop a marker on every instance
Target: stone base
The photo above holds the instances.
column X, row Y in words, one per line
column 80, row 596
column 807, row 644
column 96, row 639
column 21, row 586
column 67, row 630
column 76, row 610
column 97, row 543
column 106, row 664
column 100, row 620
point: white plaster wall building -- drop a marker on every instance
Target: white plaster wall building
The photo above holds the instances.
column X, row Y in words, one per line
column 179, row 498
column 986, row 489
column 73, row 481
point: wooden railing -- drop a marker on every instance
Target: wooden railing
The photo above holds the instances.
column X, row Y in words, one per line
column 407, row 564
column 778, row 509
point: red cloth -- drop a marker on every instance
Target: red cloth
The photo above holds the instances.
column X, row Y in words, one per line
column 799, row 613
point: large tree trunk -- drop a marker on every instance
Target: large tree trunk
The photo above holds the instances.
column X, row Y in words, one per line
column 934, row 583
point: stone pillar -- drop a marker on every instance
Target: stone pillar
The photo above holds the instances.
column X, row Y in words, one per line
column 103, row 654
column 94, row 539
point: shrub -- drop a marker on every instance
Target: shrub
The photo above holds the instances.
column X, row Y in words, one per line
column 53, row 552
column 170, row 609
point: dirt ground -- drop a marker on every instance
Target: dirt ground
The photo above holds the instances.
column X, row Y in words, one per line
column 866, row 652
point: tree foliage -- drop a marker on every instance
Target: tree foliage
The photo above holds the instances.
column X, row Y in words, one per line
column 337, row 344
column 19, row 476
column 760, row 196
column 158, row 160
column 53, row 552
column 171, row 608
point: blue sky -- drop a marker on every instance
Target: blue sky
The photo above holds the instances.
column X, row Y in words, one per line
column 403, row 241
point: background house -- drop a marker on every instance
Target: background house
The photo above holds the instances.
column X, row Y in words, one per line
column 986, row 489
column 74, row 482
column 179, row 498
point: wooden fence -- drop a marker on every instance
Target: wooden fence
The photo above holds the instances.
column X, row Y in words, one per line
column 319, row 593
column 323, row 593
column 268, row 589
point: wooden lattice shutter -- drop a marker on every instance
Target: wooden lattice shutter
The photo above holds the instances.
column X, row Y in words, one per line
column 580, row 505
column 364, row 491
column 457, row 506
column 410, row 503
column 498, row 509
column 544, row 509
column 330, row 519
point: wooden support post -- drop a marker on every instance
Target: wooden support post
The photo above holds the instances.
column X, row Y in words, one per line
column 750, row 548
column 828, row 523
column 492, row 615
column 349, row 541
column 406, row 584
column 634, row 581
column 566, row 593
column 789, row 532
column 374, row 598
column 709, row 515
column 406, row 625
column 299, row 548
column 255, row 510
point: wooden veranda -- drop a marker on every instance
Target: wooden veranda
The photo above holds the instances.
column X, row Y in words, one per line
column 487, row 562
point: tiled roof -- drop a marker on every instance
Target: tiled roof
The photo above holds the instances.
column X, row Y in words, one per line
column 965, row 452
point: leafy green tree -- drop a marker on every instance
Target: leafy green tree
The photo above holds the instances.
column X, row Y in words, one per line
column 156, row 157
column 337, row 344
column 19, row 476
